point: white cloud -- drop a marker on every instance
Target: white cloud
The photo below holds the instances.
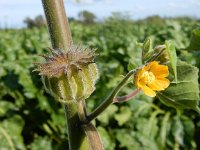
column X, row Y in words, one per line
column 18, row 2
column 85, row 1
column 80, row 1
column 172, row 4
column 108, row 1
column 177, row 5
column 195, row 2
column 89, row 1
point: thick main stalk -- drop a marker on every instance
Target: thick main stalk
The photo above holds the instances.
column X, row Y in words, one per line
column 61, row 39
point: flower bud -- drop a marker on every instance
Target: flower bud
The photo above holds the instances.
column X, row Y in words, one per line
column 163, row 56
column 69, row 75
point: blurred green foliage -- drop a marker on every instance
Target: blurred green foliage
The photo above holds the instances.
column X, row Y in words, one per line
column 31, row 119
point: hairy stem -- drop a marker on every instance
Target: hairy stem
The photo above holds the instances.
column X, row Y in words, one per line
column 61, row 39
column 76, row 134
column 57, row 24
column 109, row 99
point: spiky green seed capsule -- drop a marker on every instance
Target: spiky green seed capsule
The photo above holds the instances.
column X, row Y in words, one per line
column 69, row 75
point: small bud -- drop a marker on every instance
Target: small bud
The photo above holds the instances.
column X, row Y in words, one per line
column 162, row 55
column 69, row 75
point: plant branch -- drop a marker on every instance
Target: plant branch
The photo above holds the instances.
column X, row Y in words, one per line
column 126, row 97
column 109, row 99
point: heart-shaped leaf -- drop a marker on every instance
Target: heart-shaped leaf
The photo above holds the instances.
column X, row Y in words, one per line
column 185, row 92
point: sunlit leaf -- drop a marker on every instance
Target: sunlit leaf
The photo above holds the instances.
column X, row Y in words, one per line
column 165, row 126
column 127, row 140
column 41, row 143
column 107, row 114
column 172, row 56
column 146, row 48
column 178, row 131
column 123, row 116
column 106, row 139
column 11, row 133
column 5, row 106
column 185, row 92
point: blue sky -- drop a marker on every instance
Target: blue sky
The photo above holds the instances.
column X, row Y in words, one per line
column 13, row 12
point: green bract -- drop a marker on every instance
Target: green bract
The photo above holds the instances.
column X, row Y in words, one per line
column 69, row 75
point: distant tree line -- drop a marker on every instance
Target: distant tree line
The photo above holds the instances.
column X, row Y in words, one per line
column 39, row 21
column 89, row 18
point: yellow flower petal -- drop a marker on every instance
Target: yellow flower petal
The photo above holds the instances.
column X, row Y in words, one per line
column 148, row 91
column 141, row 83
column 151, row 78
column 155, row 86
column 138, row 77
column 153, row 64
column 162, row 82
column 147, row 67
column 140, row 73
column 160, row 71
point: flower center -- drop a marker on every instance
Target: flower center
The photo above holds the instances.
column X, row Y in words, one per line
column 148, row 77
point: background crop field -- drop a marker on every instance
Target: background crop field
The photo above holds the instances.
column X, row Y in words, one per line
column 31, row 119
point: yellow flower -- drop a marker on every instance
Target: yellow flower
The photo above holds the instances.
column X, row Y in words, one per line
column 152, row 78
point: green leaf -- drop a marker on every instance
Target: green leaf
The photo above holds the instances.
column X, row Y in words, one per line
column 6, row 141
column 41, row 143
column 172, row 56
column 5, row 106
column 183, row 94
column 123, row 116
column 147, row 143
column 107, row 114
column 29, row 88
column 131, row 66
column 107, row 141
column 189, row 131
column 178, row 130
column 195, row 40
column 10, row 133
column 146, row 48
column 165, row 126
column 151, row 128
column 127, row 140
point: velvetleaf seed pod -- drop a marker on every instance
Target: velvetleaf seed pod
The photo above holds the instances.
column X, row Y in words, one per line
column 69, row 75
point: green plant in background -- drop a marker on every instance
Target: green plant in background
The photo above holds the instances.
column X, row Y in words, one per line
column 70, row 77
column 30, row 119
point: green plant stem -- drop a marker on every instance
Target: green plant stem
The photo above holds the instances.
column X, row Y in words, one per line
column 61, row 39
column 57, row 24
column 76, row 134
column 109, row 99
